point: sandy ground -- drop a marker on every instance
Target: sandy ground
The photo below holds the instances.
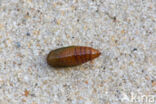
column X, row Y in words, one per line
column 123, row 30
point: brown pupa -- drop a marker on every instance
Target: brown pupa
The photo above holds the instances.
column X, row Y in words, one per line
column 71, row 56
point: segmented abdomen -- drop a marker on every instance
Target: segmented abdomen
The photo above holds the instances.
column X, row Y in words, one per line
column 71, row 56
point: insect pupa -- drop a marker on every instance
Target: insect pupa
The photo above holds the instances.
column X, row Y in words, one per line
column 71, row 56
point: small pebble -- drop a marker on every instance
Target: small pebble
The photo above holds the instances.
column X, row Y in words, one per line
column 26, row 93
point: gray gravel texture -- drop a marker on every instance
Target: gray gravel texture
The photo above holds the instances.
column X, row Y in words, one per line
column 123, row 30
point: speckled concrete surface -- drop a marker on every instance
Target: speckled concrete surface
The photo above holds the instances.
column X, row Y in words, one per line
column 123, row 30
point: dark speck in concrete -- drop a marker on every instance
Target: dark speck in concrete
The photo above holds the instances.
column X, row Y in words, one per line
column 18, row 44
column 135, row 49
column 28, row 34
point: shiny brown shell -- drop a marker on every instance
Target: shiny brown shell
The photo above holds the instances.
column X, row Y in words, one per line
column 71, row 56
